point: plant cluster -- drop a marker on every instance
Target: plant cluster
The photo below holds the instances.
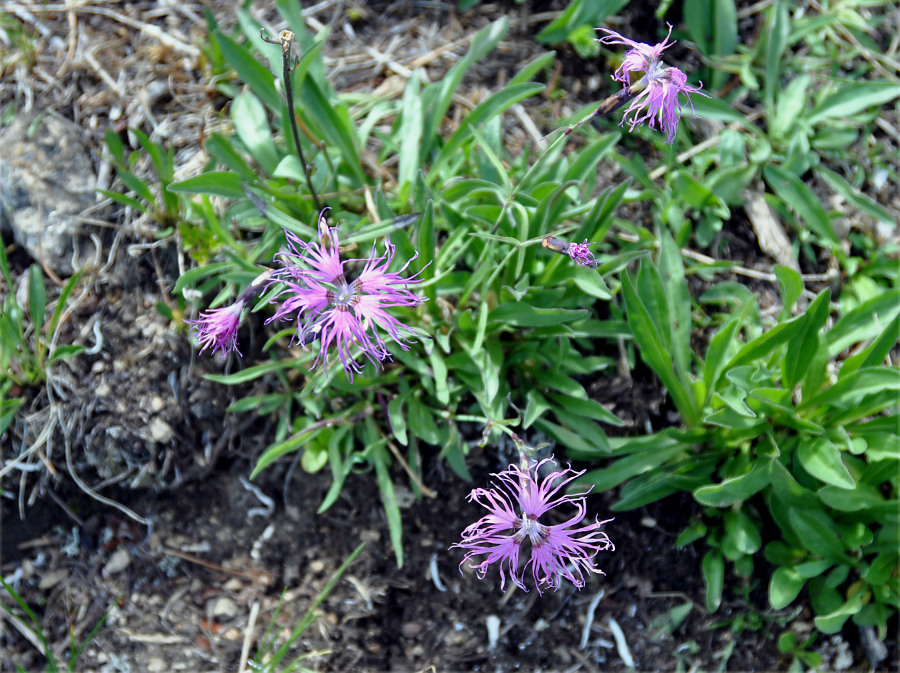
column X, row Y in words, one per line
column 788, row 435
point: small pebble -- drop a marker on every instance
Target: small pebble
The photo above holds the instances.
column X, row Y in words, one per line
column 160, row 431
column 317, row 566
column 411, row 629
column 119, row 560
column 156, row 665
column 224, row 607
column 157, row 403
column 52, row 578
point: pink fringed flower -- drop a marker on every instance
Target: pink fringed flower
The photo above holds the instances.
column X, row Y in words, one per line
column 517, row 512
column 217, row 329
column 335, row 310
column 654, row 96
column 580, row 253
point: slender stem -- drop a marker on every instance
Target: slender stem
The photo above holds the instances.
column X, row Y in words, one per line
column 287, row 39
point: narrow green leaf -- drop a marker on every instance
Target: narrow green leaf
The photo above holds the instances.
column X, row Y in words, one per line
column 389, row 501
column 799, row 197
column 37, row 298
column 713, row 567
column 671, row 271
column 834, row 621
column 225, row 184
column 257, row 76
column 252, row 126
column 804, row 345
column 853, row 98
column 864, row 322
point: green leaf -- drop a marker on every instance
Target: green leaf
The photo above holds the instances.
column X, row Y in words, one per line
column 876, row 352
column 671, row 271
column 625, row 468
column 742, row 532
column 488, row 109
column 822, row 459
column 855, row 198
column 398, row 422
column 719, row 346
column 799, row 197
column 225, row 184
column 332, row 121
column 834, row 621
column 585, row 408
column 736, row 489
column 438, row 96
column 252, row 126
column 591, row 283
column 791, row 102
column 37, row 298
column 791, row 286
column 389, row 501
column 816, row 536
column 784, row 586
column 281, row 449
column 525, row 315
column 410, row 130
column 853, row 98
column 803, row 347
column 654, row 350
column 762, row 345
column 257, row 76
column 850, row 391
column 863, row 322
column 713, row 567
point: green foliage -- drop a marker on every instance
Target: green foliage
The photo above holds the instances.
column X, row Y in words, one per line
column 775, row 435
column 28, row 339
column 788, row 435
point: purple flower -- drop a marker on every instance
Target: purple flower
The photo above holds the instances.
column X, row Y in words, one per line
column 217, row 329
column 580, row 253
column 333, row 309
column 655, row 95
column 515, row 507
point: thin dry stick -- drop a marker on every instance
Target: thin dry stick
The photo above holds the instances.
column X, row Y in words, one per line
column 287, row 39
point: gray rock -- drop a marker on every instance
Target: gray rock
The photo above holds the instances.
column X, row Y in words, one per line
column 46, row 180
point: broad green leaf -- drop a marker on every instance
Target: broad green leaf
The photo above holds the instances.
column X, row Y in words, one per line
column 784, row 586
column 654, row 350
column 493, row 106
column 817, row 537
column 591, row 283
column 856, row 198
column 586, row 408
column 629, row 466
column 397, row 419
column 719, row 346
column 437, row 97
column 37, row 298
column 735, row 489
column 742, row 532
column 252, row 126
column 834, row 621
column 863, row 497
column 789, row 104
column 332, row 120
column 822, row 459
